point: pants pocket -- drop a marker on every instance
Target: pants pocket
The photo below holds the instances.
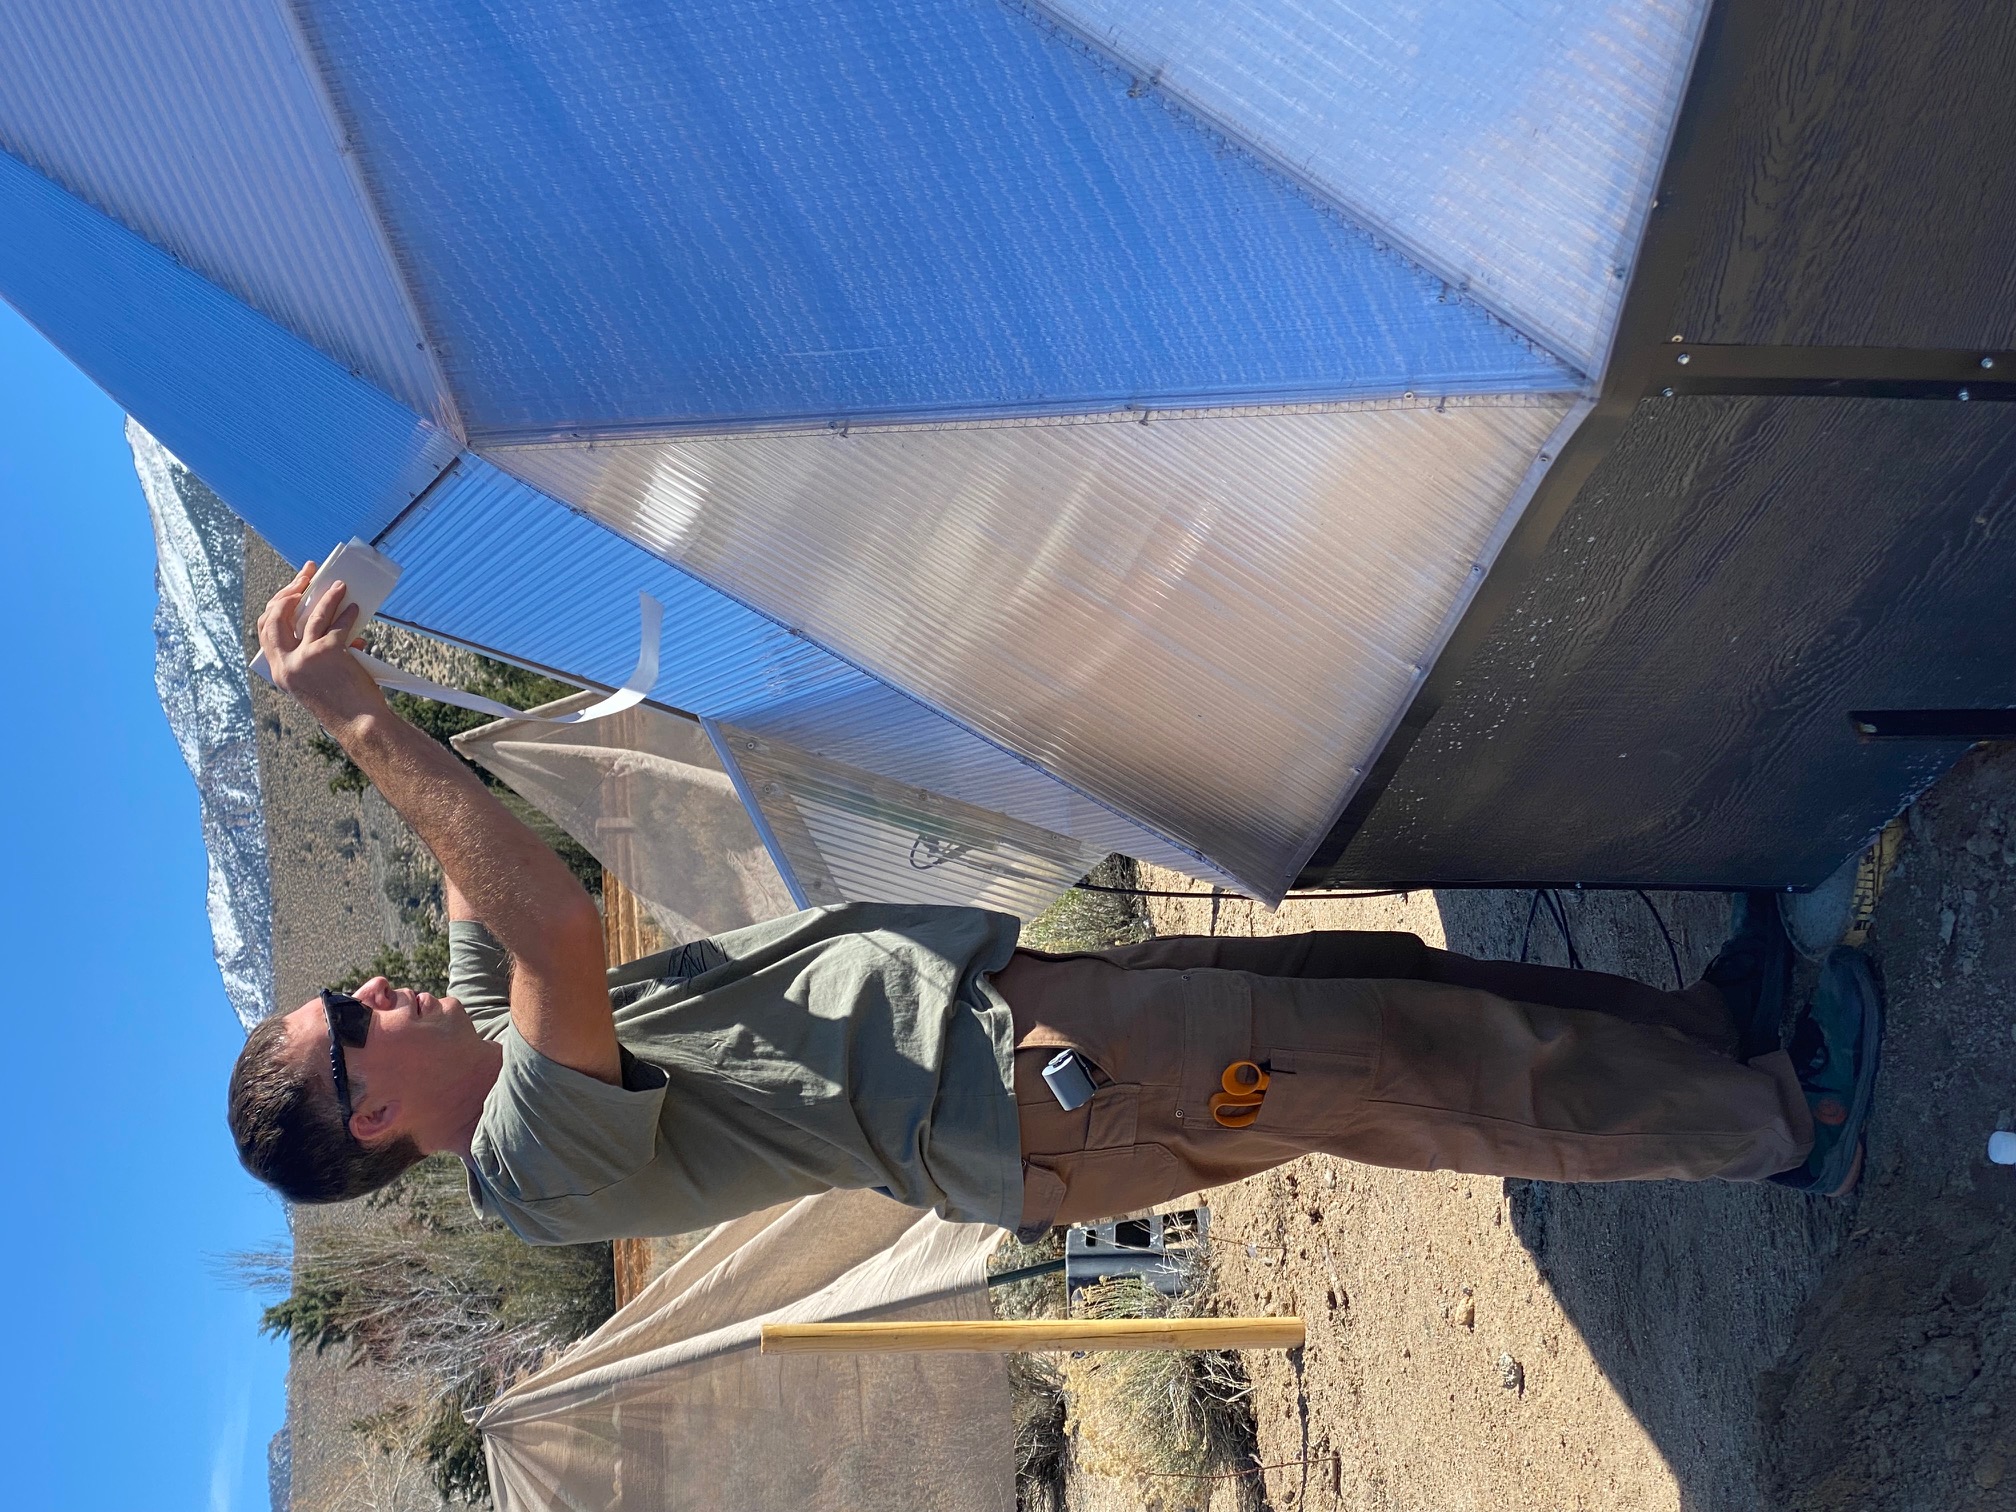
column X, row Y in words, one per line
column 1101, row 1183
column 1115, row 1117
column 1217, row 1030
column 1313, row 1091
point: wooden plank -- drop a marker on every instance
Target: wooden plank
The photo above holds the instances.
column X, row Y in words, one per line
column 627, row 933
column 632, row 1259
column 628, row 930
column 1666, row 703
column 1870, row 182
column 1033, row 1335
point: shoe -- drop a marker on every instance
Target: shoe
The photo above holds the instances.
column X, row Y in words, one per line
column 1834, row 1048
column 1753, row 972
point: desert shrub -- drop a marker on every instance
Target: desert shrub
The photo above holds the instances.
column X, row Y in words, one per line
column 1168, row 1421
column 1083, row 920
column 1035, row 1384
column 1042, row 1432
column 425, row 967
column 452, row 1304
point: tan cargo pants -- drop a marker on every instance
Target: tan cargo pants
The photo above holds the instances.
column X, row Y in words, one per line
column 1380, row 1050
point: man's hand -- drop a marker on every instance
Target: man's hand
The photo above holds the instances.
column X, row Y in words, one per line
column 313, row 664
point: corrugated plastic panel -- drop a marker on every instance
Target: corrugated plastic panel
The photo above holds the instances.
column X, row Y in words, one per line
column 1514, row 147
column 875, row 727
column 1208, row 622
column 496, row 564
column 196, row 124
column 303, row 451
column 849, row 835
column 718, row 214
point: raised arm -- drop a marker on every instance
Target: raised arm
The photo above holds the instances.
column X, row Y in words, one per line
column 505, row 876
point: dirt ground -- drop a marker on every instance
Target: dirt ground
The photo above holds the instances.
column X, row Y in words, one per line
column 1506, row 1346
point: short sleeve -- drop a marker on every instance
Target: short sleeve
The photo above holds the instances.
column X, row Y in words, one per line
column 549, row 1133
column 479, row 973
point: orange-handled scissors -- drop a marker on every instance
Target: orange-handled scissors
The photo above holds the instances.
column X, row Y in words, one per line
column 1245, row 1085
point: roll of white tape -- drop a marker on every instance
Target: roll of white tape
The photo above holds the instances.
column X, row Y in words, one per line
column 369, row 576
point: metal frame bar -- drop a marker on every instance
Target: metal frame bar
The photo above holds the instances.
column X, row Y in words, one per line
column 1963, row 726
column 723, row 748
column 1833, row 372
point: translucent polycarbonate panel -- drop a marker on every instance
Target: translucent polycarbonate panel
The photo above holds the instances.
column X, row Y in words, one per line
column 875, row 727
column 498, row 565
column 1510, row 147
column 645, row 793
column 716, row 214
column 303, row 451
column 197, row 124
column 1207, row 622
column 848, row 835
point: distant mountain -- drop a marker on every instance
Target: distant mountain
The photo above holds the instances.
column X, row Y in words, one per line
column 200, row 674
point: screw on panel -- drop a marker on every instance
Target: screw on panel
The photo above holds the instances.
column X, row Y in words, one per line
column 1965, row 395
column 1676, row 338
column 1684, row 358
column 1987, row 362
column 1665, row 393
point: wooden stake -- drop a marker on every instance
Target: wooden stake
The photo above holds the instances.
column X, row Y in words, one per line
column 1033, row 1335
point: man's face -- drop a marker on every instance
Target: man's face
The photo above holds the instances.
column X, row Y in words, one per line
column 408, row 1053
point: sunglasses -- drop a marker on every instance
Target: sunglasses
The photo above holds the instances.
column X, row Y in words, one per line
column 349, row 1024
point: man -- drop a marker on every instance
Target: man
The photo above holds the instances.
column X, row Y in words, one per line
column 903, row 1047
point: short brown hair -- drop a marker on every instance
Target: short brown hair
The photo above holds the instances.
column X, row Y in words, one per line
column 289, row 1131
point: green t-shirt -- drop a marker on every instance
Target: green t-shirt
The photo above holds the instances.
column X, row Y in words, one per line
column 854, row 1046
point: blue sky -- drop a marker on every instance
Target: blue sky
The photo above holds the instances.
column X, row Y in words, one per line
column 136, row 1378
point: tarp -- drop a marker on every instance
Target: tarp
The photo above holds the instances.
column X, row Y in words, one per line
column 669, row 1407
column 644, row 793
column 659, row 799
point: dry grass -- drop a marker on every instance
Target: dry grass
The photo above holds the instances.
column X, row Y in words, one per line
column 1171, row 1430
column 1176, row 1423
column 1082, row 920
column 1036, row 1386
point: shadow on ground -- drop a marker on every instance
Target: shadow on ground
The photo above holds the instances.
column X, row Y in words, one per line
column 1806, row 1355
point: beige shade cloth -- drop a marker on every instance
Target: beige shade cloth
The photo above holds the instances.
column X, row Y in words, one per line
column 669, row 1406
column 645, row 794
column 849, row 835
column 648, row 794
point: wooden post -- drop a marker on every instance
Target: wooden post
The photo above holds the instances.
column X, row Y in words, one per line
column 1034, row 1334
column 627, row 933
